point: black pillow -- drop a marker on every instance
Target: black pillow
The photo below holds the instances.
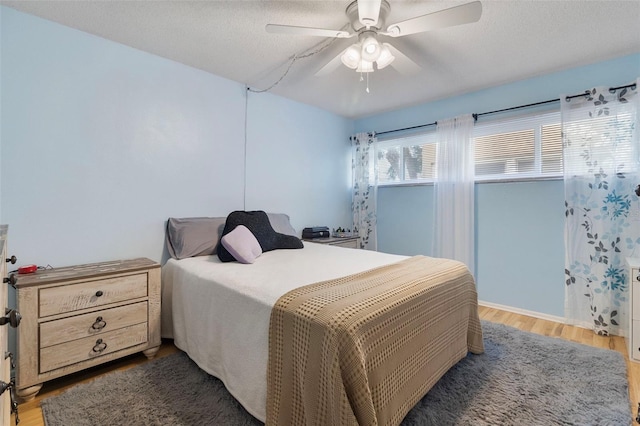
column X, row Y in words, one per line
column 258, row 223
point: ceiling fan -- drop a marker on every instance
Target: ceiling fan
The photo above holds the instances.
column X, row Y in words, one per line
column 368, row 19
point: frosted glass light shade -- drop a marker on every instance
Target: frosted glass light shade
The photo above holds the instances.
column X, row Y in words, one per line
column 351, row 56
column 370, row 49
column 365, row 66
column 386, row 57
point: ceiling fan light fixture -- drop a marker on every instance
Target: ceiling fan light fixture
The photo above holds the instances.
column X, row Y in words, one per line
column 365, row 66
column 370, row 49
column 386, row 57
column 367, row 19
column 351, row 56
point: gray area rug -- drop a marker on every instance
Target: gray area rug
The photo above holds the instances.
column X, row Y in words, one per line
column 521, row 379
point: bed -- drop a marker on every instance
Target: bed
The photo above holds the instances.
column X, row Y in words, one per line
column 219, row 314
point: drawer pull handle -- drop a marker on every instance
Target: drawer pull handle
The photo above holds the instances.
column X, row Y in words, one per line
column 638, row 278
column 12, row 280
column 12, row 317
column 99, row 293
column 100, row 346
column 99, row 324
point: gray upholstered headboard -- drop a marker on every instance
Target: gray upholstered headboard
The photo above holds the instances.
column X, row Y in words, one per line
column 200, row 236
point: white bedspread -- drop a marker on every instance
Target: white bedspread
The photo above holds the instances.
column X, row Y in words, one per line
column 218, row 313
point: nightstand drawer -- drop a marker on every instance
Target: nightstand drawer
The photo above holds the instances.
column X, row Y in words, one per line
column 635, row 341
column 347, row 244
column 93, row 324
column 636, row 295
column 73, row 297
column 59, row 356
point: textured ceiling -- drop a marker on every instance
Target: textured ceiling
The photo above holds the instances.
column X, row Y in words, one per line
column 514, row 40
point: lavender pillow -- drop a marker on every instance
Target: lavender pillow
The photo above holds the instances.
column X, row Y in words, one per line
column 258, row 223
column 242, row 244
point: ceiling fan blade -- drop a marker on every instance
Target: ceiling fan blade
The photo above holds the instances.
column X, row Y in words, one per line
column 331, row 66
column 319, row 32
column 458, row 15
column 368, row 12
column 402, row 63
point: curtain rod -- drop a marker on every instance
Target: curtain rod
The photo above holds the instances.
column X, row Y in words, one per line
column 475, row 116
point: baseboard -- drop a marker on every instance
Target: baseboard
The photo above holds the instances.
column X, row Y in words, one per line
column 520, row 311
column 561, row 320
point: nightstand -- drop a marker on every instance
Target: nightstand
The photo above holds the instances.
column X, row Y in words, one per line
column 348, row 242
column 81, row 316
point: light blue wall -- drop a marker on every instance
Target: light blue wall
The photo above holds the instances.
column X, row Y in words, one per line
column 405, row 220
column 520, row 245
column 1, row 97
column 519, row 226
column 615, row 72
column 299, row 161
column 101, row 143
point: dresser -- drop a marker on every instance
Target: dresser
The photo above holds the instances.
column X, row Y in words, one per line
column 5, row 371
column 348, row 242
column 81, row 316
column 633, row 338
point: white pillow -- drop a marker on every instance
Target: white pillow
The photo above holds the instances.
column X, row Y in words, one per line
column 242, row 244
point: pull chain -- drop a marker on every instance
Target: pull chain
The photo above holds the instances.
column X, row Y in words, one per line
column 362, row 79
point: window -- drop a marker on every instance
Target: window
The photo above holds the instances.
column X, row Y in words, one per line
column 406, row 160
column 522, row 147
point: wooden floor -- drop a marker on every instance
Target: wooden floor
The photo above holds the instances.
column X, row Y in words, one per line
column 30, row 413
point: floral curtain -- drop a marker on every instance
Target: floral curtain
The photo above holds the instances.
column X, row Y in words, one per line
column 454, row 191
column 601, row 161
column 363, row 202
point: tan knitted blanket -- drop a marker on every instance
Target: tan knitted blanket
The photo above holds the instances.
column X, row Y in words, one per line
column 364, row 349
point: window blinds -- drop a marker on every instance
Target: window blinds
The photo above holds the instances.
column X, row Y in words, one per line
column 529, row 146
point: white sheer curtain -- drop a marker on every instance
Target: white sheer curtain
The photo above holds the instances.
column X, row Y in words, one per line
column 454, row 191
column 601, row 160
column 365, row 188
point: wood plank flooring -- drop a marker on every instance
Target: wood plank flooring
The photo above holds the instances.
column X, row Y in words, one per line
column 31, row 414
